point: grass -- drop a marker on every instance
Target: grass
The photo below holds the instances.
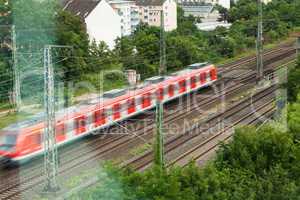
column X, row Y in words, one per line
column 250, row 52
column 5, row 106
column 11, row 118
column 98, row 85
column 102, row 81
column 140, row 149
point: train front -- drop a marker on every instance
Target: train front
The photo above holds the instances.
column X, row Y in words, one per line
column 8, row 141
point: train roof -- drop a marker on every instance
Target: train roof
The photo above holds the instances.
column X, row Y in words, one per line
column 198, row 65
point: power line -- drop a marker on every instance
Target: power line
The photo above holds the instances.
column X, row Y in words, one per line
column 259, row 43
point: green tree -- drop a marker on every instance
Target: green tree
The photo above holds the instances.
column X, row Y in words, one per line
column 125, row 50
column 243, row 10
column 293, row 83
column 185, row 25
column 71, row 31
column 101, row 57
column 224, row 12
column 183, row 51
column 5, row 49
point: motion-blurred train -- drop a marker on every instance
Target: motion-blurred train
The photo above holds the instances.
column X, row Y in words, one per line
column 23, row 141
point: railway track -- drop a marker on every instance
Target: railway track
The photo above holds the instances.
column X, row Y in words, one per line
column 15, row 187
column 198, row 152
column 142, row 162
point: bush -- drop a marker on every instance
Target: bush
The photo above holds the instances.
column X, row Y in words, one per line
column 114, row 75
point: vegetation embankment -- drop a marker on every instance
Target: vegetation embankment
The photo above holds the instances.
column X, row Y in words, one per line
column 257, row 164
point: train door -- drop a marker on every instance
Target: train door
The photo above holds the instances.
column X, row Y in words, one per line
column 193, row 82
column 80, row 125
column 171, row 89
column 182, row 86
column 60, row 131
column 146, row 100
column 160, row 94
column 99, row 117
column 131, row 107
column 213, row 74
column 203, row 78
column 116, row 111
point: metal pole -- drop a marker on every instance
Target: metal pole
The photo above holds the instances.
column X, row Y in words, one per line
column 298, row 46
column 259, row 43
column 162, row 68
column 16, row 72
column 159, row 145
column 50, row 150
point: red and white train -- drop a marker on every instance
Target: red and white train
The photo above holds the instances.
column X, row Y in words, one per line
column 23, row 141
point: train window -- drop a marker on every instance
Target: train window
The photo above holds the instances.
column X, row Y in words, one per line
column 131, row 102
column 80, row 122
column 193, row 82
column 4, row 147
column 7, row 141
column 10, row 139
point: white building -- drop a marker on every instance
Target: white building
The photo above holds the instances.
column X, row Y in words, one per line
column 150, row 13
column 102, row 22
column 197, row 10
column 210, row 26
column 264, row 1
column 224, row 3
column 129, row 13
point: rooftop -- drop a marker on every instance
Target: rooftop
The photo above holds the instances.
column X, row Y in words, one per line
column 149, row 2
column 81, row 8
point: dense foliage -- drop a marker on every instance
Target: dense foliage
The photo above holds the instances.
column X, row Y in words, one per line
column 293, row 83
column 262, row 164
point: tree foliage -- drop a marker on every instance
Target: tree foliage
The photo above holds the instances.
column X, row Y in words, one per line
column 71, row 31
column 255, row 165
column 293, row 83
